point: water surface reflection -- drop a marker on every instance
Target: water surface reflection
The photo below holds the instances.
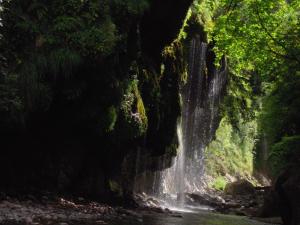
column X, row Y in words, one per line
column 193, row 218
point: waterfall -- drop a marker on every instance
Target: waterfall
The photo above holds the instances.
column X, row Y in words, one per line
column 172, row 179
column 201, row 97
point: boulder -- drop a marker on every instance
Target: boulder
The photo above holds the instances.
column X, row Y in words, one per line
column 204, row 199
column 241, row 187
column 284, row 197
column 287, row 187
column 270, row 206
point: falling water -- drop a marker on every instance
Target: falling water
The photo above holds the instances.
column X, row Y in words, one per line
column 201, row 97
column 172, row 179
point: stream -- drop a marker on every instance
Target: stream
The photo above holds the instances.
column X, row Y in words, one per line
column 200, row 217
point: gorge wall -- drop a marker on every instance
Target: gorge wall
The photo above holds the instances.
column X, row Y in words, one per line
column 75, row 110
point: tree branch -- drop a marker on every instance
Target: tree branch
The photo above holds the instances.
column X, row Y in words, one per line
column 293, row 57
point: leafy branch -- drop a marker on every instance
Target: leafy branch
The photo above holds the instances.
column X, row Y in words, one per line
column 293, row 57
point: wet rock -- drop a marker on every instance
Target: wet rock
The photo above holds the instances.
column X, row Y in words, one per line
column 167, row 210
column 288, row 189
column 252, row 203
column 158, row 210
column 245, row 203
column 80, row 199
column 203, row 199
column 220, row 199
column 232, row 205
column 270, row 206
column 241, row 187
column 177, row 215
column 152, row 202
column 239, row 212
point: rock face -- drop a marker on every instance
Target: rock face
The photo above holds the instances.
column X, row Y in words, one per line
column 161, row 23
column 287, row 187
column 241, row 187
column 284, row 197
column 108, row 109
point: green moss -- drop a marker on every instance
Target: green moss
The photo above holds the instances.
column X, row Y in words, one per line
column 115, row 187
column 133, row 110
column 161, row 101
column 140, row 110
column 174, row 70
column 111, row 118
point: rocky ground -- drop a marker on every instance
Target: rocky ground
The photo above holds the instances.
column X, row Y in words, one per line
column 241, row 204
column 56, row 210
column 238, row 199
column 49, row 209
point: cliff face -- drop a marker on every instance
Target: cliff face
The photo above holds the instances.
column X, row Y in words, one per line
column 74, row 126
column 161, row 23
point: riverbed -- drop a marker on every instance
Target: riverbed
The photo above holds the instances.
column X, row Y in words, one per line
column 60, row 211
column 200, row 217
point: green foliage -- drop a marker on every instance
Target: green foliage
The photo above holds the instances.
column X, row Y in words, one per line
column 61, row 61
column 257, row 35
column 219, row 183
column 280, row 118
column 11, row 103
column 47, row 45
column 241, row 99
column 280, row 115
column 80, row 60
column 284, row 152
column 260, row 39
column 82, row 25
column 35, row 73
column 135, row 7
column 232, row 150
column 46, row 42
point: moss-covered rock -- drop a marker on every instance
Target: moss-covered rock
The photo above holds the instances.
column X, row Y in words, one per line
column 87, row 75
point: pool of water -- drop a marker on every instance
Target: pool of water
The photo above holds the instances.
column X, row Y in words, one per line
column 199, row 217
